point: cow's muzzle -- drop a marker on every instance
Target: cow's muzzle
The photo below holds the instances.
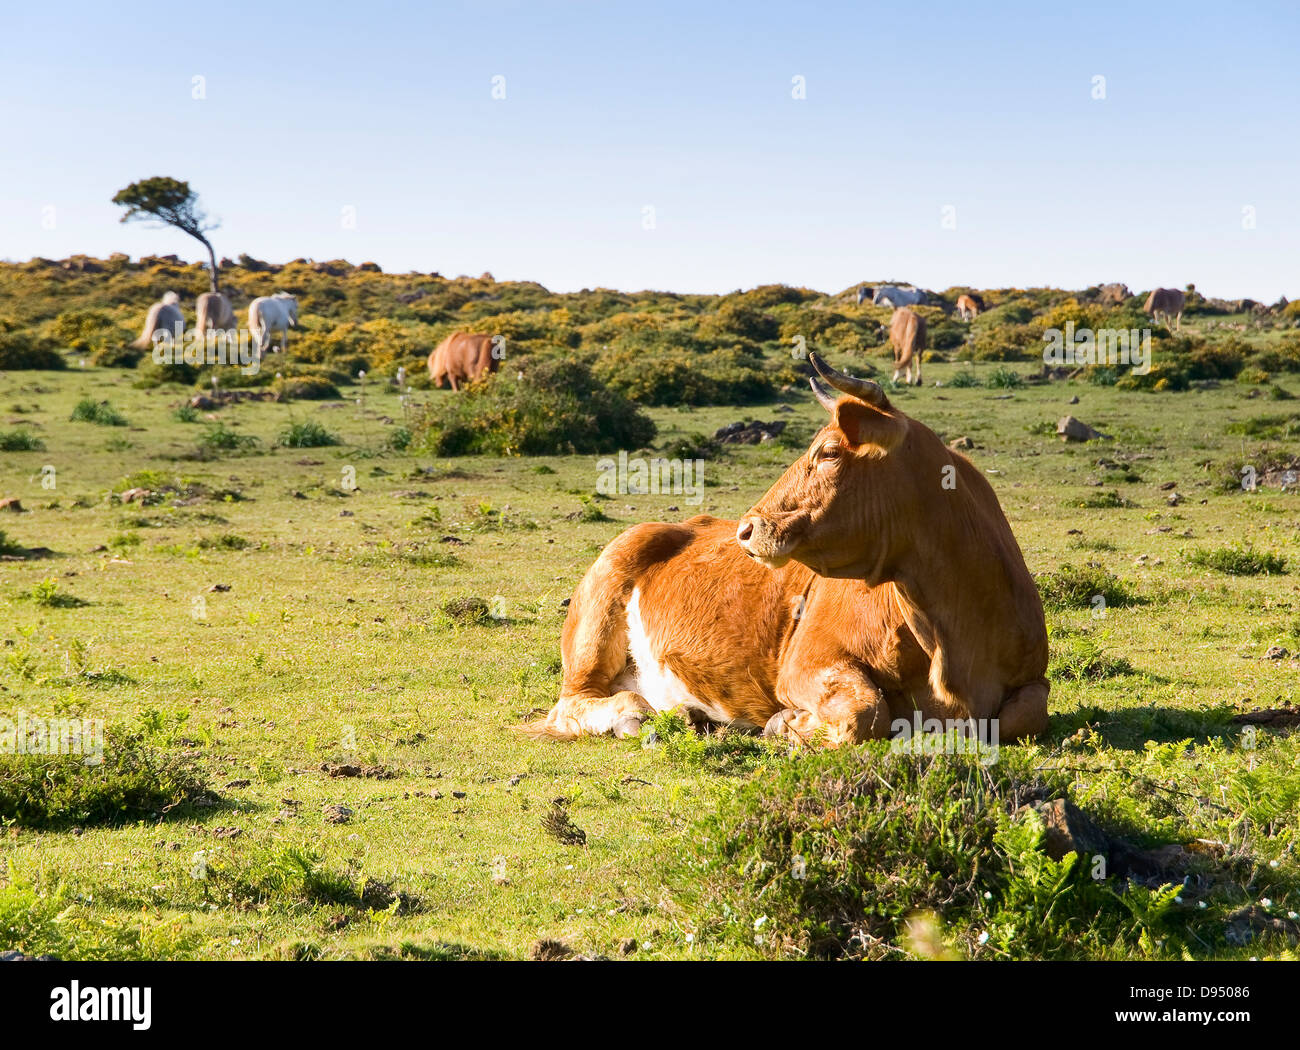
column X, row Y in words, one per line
column 759, row 538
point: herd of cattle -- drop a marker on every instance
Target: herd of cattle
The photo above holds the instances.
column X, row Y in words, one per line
column 907, row 329
column 267, row 314
column 460, row 358
column 464, row 357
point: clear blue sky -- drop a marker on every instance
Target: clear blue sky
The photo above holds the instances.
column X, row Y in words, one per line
column 387, row 107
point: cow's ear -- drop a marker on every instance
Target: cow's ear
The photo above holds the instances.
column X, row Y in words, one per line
column 865, row 426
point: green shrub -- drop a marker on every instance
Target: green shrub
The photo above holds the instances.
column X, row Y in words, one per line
column 227, row 541
column 132, row 782
column 840, row 853
column 734, row 318
column 693, row 446
column 88, row 331
column 946, row 335
column 22, row 350
column 305, row 388
column 117, row 355
column 1018, row 342
column 669, row 367
column 557, row 407
column 967, row 378
column 1218, row 360
column 47, row 595
column 307, row 434
column 1004, row 379
column 99, row 412
column 220, row 438
column 231, row 377
column 152, row 374
column 1238, row 560
column 1072, row 587
column 1080, row 658
column 1099, row 501
column 1161, row 377
column 20, row 439
column 1274, row 427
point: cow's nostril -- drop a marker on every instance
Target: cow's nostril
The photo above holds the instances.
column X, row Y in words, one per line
column 745, row 531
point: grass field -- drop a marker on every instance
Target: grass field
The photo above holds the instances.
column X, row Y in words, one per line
column 329, row 643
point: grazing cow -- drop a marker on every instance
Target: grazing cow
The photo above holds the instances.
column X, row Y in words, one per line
column 1113, row 294
column 967, row 308
column 907, row 337
column 892, row 295
column 268, row 314
column 164, row 316
column 864, row 293
column 462, row 358
column 213, row 310
column 862, row 587
column 1167, row 301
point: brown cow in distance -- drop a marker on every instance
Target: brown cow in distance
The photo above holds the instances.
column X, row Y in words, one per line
column 876, row 578
column 907, row 337
column 462, row 358
column 1167, row 301
column 967, row 308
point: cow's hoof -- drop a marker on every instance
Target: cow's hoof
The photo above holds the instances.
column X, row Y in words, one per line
column 778, row 724
column 628, row 726
column 798, row 727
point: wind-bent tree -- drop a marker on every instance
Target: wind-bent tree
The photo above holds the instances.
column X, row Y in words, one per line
column 172, row 203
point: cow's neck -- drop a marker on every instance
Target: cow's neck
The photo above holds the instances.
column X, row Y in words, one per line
column 945, row 587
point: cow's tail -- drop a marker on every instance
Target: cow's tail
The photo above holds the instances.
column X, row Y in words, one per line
column 257, row 329
column 550, row 727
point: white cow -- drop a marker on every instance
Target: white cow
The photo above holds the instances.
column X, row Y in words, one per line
column 268, row 314
column 164, row 316
column 892, row 295
column 213, row 310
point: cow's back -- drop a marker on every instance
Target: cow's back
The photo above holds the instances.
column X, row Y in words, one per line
column 462, row 356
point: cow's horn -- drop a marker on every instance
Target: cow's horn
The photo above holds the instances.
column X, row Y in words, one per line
column 864, row 389
column 825, row 396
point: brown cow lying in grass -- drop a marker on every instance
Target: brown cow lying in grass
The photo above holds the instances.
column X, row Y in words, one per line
column 462, row 358
column 877, row 576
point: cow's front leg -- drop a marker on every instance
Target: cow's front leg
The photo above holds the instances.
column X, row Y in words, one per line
column 840, row 705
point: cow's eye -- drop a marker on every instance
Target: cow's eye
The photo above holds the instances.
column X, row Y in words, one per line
column 828, row 451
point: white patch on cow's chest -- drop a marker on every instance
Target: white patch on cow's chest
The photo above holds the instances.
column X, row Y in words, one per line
column 647, row 675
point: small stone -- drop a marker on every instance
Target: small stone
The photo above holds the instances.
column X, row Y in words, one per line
column 337, row 813
column 1070, row 429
